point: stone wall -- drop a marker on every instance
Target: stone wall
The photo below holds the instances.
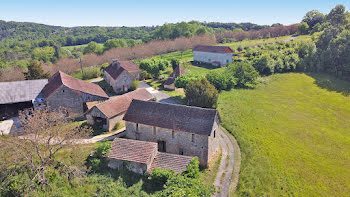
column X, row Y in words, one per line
column 223, row 58
column 213, row 139
column 125, row 79
column 71, row 100
column 177, row 142
column 114, row 120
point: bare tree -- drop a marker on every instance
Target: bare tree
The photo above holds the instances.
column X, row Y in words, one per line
column 41, row 135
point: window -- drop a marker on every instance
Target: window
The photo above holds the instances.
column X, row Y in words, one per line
column 214, row 133
column 192, row 138
column 226, row 61
column 154, row 130
column 181, row 151
column 137, row 127
column 173, row 133
column 62, row 90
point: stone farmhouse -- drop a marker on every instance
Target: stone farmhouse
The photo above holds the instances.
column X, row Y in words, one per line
column 120, row 74
column 107, row 114
column 177, row 129
column 142, row 157
column 19, row 95
column 215, row 55
column 170, row 82
column 65, row 91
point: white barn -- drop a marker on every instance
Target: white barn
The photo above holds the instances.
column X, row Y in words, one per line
column 215, row 55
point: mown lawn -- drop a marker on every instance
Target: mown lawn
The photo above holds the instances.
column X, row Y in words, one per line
column 294, row 134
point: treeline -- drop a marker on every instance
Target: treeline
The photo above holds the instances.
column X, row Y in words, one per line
column 232, row 26
column 330, row 52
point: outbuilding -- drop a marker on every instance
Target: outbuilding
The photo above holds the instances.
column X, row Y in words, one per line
column 214, row 55
column 177, row 129
column 121, row 74
column 70, row 93
column 142, row 157
column 170, row 82
column 19, row 95
column 107, row 114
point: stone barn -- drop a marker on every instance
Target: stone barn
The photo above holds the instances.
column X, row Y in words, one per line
column 107, row 114
column 170, row 82
column 65, row 91
column 215, row 55
column 142, row 157
column 177, row 129
column 18, row 95
column 120, row 74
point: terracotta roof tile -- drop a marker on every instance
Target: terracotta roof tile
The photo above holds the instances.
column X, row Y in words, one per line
column 169, row 161
column 132, row 150
column 213, row 49
column 178, row 117
column 60, row 78
column 120, row 104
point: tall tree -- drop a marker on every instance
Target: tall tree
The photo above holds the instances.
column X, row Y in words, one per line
column 35, row 71
column 33, row 148
column 313, row 17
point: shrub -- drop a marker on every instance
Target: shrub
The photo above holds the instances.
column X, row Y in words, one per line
column 201, row 93
column 35, row 71
column 264, row 65
column 220, row 80
column 174, row 63
column 91, row 72
column 160, row 176
column 192, row 170
column 98, row 161
column 134, row 85
column 183, row 80
column 245, row 74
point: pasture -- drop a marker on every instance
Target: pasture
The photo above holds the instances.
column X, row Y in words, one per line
column 294, row 134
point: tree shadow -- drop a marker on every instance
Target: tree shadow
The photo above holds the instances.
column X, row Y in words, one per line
column 204, row 65
column 331, row 83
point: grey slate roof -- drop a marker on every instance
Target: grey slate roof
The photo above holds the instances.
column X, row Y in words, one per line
column 20, row 91
column 172, row 116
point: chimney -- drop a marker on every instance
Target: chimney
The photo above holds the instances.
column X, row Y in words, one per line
column 115, row 62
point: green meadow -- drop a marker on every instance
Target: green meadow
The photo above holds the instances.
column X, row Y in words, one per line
column 294, row 134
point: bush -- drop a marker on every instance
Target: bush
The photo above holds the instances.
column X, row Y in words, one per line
column 134, row 85
column 174, row 63
column 201, row 93
column 183, row 80
column 221, row 81
column 192, row 170
column 91, row 72
column 160, row 176
column 264, row 65
column 245, row 74
column 98, row 162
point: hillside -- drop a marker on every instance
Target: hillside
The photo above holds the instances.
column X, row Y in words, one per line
column 293, row 130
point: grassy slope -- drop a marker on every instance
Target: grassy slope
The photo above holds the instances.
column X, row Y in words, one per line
column 252, row 43
column 294, row 135
column 78, row 46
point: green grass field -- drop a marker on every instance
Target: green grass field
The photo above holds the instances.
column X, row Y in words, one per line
column 252, row 43
column 294, row 134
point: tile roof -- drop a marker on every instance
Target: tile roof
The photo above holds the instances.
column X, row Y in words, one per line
column 120, row 104
column 60, row 78
column 116, row 68
column 172, row 116
column 179, row 70
column 20, row 91
column 213, row 49
column 169, row 161
column 132, row 150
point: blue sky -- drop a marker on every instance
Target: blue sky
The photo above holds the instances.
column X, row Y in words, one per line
column 157, row 12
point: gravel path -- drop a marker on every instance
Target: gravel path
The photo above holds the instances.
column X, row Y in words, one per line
column 160, row 96
column 224, row 175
